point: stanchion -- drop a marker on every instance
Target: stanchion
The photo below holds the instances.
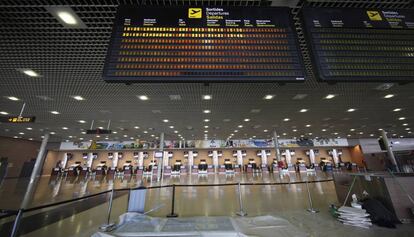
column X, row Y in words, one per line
column 109, row 226
column 172, row 214
column 241, row 212
column 16, row 223
column 310, row 209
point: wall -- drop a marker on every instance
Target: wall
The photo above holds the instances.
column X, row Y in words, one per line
column 356, row 155
column 18, row 151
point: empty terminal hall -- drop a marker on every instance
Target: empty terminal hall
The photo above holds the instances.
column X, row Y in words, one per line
column 267, row 118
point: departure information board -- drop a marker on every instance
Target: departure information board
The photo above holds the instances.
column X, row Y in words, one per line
column 361, row 44
column 202, row 44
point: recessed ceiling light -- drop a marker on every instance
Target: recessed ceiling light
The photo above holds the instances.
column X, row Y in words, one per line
column 286, row 119
column 397, row 109
column 330, row 96
column 83, row 132
column 54, row 112
column 125, row 135
column 67, row 17
column 64, row 128
column 407, row 129
column 351, row 110
column 21, row 133
column 308, row 125
column 323, row 130
column 78, row 97
column 100, row 127
column 52, row 133
column 268, row 97
column 206, row 120
column 29, row 128
column 145, row 131
column 246, row 120
column 12, row 98
column 81, row 121
column 30, row 73
column 265, row 130
column 294, row 130
column 379, row 129
column 348, row 135
column 335, row 133
column 98, row 136
column 352, row 129
column 405, row 124
column 207, row 97
column 165, row 120
column 4, row 113
column 171, row 126
column 240, row 126
column 389, row 96
column 303, row 110
column 284, row 134
column 206, row 126
column 15, row 137
column 206, row 131
column 310, row 134
column 106, row 138
column 232, row 134
column 114, row 132
column 31, row 139
column 401, row 118
column 136, row 127
column 206, row 111
column 236, row 130
column 361, row 133
column 143, row 97
column 175, row 131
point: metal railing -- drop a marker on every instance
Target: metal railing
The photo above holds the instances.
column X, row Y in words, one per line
column 172, row 214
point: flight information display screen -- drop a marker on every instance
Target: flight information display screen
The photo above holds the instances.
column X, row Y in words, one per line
column 191, row 44
column 361, row 44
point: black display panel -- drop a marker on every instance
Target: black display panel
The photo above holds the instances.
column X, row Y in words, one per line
column 203, row 44
column 361, row 44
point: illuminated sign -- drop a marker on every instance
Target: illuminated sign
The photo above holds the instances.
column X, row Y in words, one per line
column 17, row 119
column 186, row 44
column 361, row 44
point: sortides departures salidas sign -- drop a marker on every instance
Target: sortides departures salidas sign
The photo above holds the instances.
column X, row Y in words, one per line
column 203, row 44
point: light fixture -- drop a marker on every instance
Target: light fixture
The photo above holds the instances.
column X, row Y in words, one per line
column 64, row 128
column 143, row 97
column 324, row 130
column 81, row 121
column 284, row 134
column 401, row 118
column 52, row 133
column 114, row 132
column 171, row 126
column 205, row 131
column 268, row 97
column 348, row 135
column 30, row 72
column 78, row 97
column 175, row 131
column 389, row 96
column 83, row 132
column 206, row 111
column 240, row 126
column 206, row 120
column 98, row 136
column 236, row 130
column 397, row 109
column 310, row 134
column 232, row 134
column 125, row 135
column 206, row 126
column 67, row 17
column 286, row 119
column 294, row 130
column 207, row 97
column 54, row 112
column 405, row 124
column 265, row 130
column 30, row 139
column 165, row 120
column 4, row 113
column 351, row 110
column 21, row 133
column 308, row 125
column 29, row 128
column 361, row 133
column 246, row 120
column 303, row 110
column 407, row 129
column 335, row 133
column 145, row 132
column 330, row 96
column 100, row 127
column 352, row 129
column 12, row 98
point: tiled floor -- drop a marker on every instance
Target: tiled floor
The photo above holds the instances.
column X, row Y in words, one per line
column 288, row 201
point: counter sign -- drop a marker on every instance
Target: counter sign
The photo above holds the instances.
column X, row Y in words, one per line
column 17, row 119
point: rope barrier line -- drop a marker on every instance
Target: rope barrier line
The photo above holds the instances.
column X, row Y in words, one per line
column 166, row 186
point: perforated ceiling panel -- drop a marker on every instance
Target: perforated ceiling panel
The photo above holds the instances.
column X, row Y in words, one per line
column 70, row 63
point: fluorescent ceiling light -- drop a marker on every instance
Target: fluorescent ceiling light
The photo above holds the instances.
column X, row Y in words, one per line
column 78, row 97
column 136, row 127
column 397, row 109
column 67, row 17
column 389, row 96
column 303, row 110
column 175, row 131
column 145, row 131
column 401, row 118
column 351, row 110
column 81, row 121
column 4, row 113
column 352, row 129
column 171, row 126
column 405, row 124
column 30, row 73
column 330, row 96
column 268, row 97
column 308, row 125
column 205, row 131
column 29, row 128
column 64, row 128
column 240, row 126
column 246, row 120
column 265, row 130
column 323, row 130
column 286, row 119
column 54, row 112
column 206, row 120
column 143, row 97
column 206, row 111
column 206, row 126
column 21, row 133
column 52, row 133
column 294, row 130
column 207, row 97
column 165, row 120
column 12, row 98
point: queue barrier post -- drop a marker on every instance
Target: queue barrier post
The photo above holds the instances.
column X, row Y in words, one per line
column 172, row 214
column 16, row 223
column 310, row 209
column 241, row 212
column 109, row 226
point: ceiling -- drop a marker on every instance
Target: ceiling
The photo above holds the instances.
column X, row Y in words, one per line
column 70, row 62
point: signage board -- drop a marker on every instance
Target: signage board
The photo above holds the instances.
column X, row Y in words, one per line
column 349, row 44
column 98, row 131
column 17, row 119
column 203, row 44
